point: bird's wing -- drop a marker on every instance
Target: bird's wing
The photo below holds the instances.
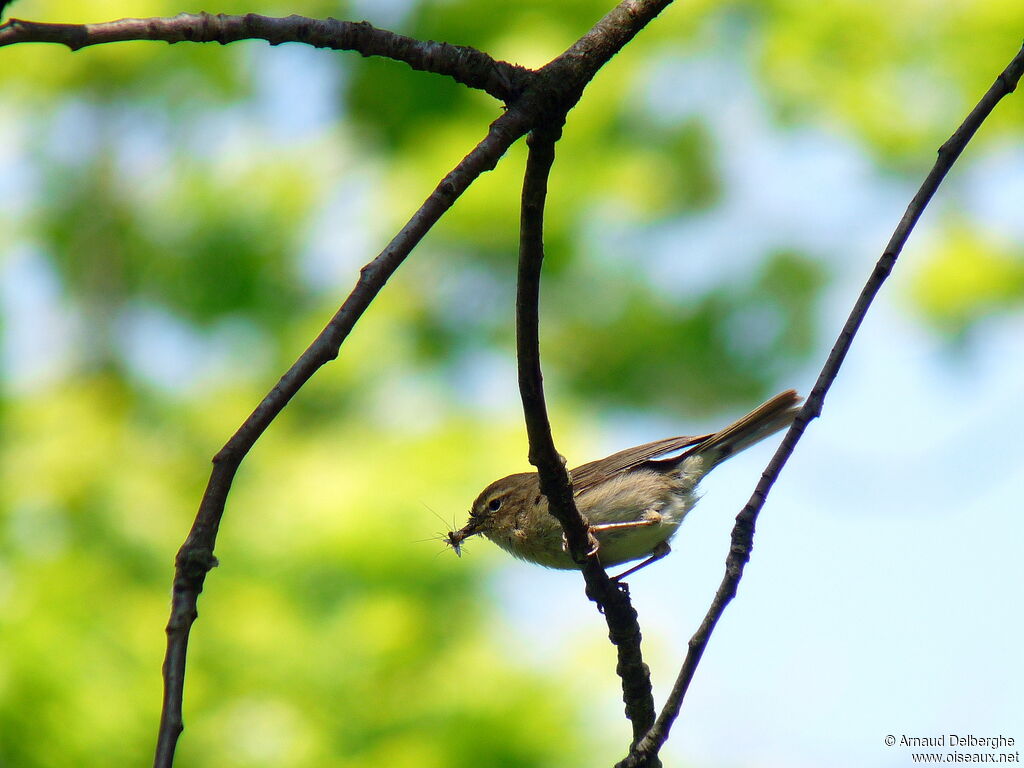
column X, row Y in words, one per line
column 589, row 474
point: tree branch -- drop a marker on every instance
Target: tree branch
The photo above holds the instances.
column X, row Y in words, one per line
column 465, row 65
column 195, row 558
column 561, row 83
column 555, row 483
column 743, row 532
column 565, row 77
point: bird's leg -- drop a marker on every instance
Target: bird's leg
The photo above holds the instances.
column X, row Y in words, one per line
column 601, row 527
column 660, row 550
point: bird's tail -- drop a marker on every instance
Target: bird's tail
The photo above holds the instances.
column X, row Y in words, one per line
column 765, row 420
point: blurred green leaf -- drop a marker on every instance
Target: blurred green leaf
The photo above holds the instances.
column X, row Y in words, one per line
column 968, row 277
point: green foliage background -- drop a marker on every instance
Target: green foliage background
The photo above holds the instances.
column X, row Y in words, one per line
column 154, row 186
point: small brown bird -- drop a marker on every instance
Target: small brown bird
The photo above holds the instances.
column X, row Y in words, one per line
column 633, row 500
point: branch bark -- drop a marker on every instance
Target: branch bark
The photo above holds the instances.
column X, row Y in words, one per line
column 561, row 83
column 555, row 482
column 462, row 63
column 195, row 558
column 743, row 532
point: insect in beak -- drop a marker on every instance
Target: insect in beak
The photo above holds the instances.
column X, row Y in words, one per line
column 454, row 539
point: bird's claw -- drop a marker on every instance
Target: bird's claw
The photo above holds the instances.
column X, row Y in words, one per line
column 592, row 543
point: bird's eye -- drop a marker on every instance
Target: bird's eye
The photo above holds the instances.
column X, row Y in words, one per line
column 494, row 504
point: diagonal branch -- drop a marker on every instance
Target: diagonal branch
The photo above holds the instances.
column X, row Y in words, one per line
column 555, row 483
column 195, row 558
column 743, row 532
column 567, row 75
column 465, row 65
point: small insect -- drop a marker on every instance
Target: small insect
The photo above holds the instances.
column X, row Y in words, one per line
column 454, row 540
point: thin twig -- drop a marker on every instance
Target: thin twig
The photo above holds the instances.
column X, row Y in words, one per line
column 465, row 65
column 743, row 532
column 196, row 557
column 555, row 483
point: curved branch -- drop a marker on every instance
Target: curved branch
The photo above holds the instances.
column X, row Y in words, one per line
column 560, row 85
column 195, row 558
column 465, row 65
column 743, row 532
column 555, row 483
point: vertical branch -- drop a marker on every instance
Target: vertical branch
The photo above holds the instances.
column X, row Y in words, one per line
column 743, row 531
column 555, row 483
column 554, row 478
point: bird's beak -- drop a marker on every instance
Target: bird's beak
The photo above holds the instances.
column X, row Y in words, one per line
column 455, row 538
